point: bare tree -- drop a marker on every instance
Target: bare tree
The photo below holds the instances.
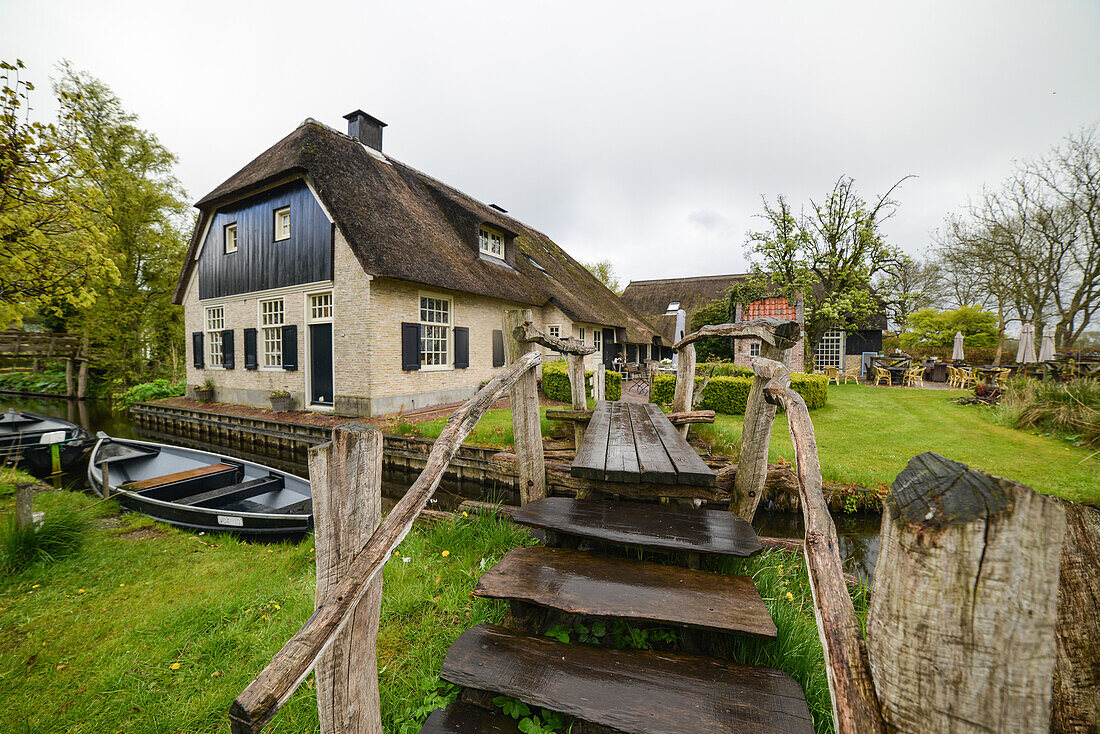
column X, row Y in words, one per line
column 908, row 285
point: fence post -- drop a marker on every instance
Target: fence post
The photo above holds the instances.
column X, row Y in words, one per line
column 756, row 432
column 685, row 383
column 70, row 389
column 82, row 378
column 961, row 629
column 526, row 423
column 599, row 383
column 346, row 475
column 576, row 390
column 24, row 504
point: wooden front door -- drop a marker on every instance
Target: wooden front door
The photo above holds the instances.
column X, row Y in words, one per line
column 320, row 364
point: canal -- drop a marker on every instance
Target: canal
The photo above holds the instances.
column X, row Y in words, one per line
column 858, row 534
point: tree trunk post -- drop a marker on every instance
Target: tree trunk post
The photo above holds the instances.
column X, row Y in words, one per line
column 346, row 475
column 752, row 466
column 24, row 504
column 576, row 390
column 82, row 379
column 599, row 383
column 70, row 387
column 961, row 629
column 526, row 423
column 1076, row 705
column 685, row 384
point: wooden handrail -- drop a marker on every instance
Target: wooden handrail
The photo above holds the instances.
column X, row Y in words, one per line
column 263, row 697
column 852, row 688
column 526, row 332
column 781, row 333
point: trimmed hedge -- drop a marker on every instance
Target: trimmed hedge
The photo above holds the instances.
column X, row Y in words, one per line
column 555, row 382
column 723, row 369
column 730, row 394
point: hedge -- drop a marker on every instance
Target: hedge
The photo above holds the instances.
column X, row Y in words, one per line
column 730, row 394
column 555, row 382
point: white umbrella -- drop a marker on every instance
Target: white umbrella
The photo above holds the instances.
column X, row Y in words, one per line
column 1026, row 352
column 957, row 352
column 1046, row 352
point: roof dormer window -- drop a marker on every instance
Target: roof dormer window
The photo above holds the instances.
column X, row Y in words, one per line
column 490, row 243
column 282, row 224
column 673, row 307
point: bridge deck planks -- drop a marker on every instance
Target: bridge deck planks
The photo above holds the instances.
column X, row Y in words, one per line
column 660, row 527
column 629, row 690
column 593, row 585
column 464, row 718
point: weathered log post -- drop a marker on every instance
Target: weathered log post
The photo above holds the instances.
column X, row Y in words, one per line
column 526, row 424
column 70, row 389
column 599, row 383
column 24, row 504
column 82, row 378
column 346, row 475
column 576, row 392
column 961, row 629
column 1077, row 666
column 756, row 434
column 685, row 383
column 851, row 687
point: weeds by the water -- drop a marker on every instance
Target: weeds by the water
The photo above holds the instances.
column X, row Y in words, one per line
column 57, row 535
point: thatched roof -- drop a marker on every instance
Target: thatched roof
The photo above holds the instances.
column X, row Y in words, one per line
column 403, row 224
column 651, row 298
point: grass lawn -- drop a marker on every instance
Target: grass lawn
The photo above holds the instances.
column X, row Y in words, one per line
column 149, row 629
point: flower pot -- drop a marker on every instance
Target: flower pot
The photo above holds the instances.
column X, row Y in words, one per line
column 204, row 395
column 281, row 404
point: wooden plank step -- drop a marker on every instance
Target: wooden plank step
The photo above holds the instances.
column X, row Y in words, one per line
column 637, row 691
column 465, row 718
column 662, row 527
column 199, row 471
column 592, row 585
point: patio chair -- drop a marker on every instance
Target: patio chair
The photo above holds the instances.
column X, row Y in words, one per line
column 1000, row 379
column 852, row 373
column 914, row 376
column 833, row 375
column 968, row 377
column 882, row 376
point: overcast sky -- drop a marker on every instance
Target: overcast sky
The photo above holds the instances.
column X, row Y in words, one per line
column 643, row 133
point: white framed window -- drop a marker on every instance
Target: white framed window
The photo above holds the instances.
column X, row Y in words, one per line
column 597, row 341
column 554, row 330
column 754, row 349
column 320, row 306
column 830, row 350
column 490, row 243
column 230, row 238
column 282, row 224
column 435, row 332
column 215, row 323
column 581, row 334
column 272, row 318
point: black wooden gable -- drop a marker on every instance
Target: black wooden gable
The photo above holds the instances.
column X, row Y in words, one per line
column 261, row 262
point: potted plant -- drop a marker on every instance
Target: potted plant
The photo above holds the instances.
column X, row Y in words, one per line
column 280, row 400
column 204, row 393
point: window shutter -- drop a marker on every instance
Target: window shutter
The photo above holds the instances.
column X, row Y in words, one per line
column 196, row 348
column 228, row 360
column 498, row 348
column 410, row 346
column 290, row 347
column 250, row 361
column 462, row 347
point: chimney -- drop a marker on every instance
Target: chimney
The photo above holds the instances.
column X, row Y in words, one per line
column 366, row 129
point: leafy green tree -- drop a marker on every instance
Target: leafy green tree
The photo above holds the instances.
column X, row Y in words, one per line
column 605, row 273
column 50, row 244
column 143, row 216
column 717, row 349
column 931, row 328
column 831, row 255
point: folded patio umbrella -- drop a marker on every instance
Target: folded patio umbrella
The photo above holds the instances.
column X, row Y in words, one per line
column 957, row 352
column 1026, row 353
column 1046, row 352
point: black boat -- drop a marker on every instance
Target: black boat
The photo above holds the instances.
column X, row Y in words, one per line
column 27, row 437
column 200, row 490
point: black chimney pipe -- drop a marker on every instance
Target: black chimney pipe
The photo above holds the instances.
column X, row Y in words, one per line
column 365, row 128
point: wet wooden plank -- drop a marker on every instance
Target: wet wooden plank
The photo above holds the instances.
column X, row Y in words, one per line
column 592, row 585
column 653, row 462
column 200, row 471
column 629, row 690
column 465, row 718
column 622, row 455
column 662, row 527
column 690, row 469
column 592, row 455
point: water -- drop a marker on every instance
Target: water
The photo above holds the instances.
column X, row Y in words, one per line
column 858, row 534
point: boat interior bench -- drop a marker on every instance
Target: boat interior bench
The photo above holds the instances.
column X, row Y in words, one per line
column 175, row 486
column 234, row 492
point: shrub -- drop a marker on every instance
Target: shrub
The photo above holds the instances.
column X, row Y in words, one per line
column 59, row 534
column 1071, row 409
column 50, row 380
column 730, row 394
column 161, row 388
column 555, row 382
column 722, row 369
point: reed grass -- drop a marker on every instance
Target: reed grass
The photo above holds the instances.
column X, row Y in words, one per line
column 1070, row 410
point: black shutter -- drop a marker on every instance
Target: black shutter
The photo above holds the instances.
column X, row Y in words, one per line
column 410, row 346
column 290, row 347
column 498, row 348
column 462, row 347
column 196, row 348
column 228, row 358
column 250, row 361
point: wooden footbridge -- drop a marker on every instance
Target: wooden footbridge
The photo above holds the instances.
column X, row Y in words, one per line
column 25, row 347
column 608, row 556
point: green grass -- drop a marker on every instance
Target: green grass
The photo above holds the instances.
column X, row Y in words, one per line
column 866, row 435
column 494, row 428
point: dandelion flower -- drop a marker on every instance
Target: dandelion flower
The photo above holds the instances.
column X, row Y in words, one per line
column 445, row 553
column 790, row 596
column 466, row 514
column 121, row 585
column 36, row 586
column 175, row 666
column 277, row 607
column 80, row 591
column 780, row 569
